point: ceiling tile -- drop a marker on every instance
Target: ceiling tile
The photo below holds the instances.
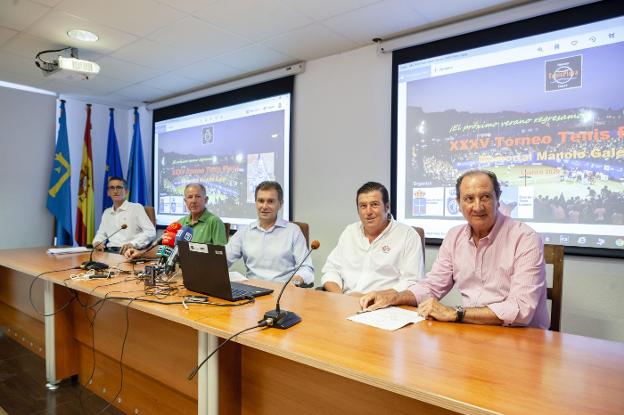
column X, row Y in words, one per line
column 322, row 9
column 223, row 40
column 377, row 20
column 310, row 42
column 18, row 15
column 55, row 25
column 172, row 83
column 434, row 10
column 118, row 101
column 208, row 71
column 102, row 84
column 21, row 79
column 203, row 38
column 6, row 34
column 68, row 87
column 188, row 6
column 15, row 66
column 125, row 71
column 156, row 55
column 28, row 46
column 141, row 93
column 139, row 17
column 253, row 19
column 254, row 58
column 50, row 3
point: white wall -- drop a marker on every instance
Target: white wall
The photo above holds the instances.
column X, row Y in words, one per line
column 29, row 127
column 342, row 139
column 26, row 148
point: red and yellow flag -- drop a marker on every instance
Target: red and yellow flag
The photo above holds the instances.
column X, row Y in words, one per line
column 85, row 214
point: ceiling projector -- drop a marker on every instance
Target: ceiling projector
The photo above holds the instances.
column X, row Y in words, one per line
column 67, row 68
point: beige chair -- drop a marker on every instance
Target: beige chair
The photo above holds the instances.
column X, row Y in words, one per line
column 553, row 254
column 305, row 229
column 151, row 214
column 227, row 230
column 421, row 233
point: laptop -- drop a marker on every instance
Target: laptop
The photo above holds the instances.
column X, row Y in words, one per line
column 205, row 270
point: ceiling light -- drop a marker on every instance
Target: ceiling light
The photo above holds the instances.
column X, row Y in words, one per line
column 83, row 35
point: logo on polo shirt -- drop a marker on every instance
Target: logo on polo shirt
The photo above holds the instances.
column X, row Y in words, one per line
column 385, row 249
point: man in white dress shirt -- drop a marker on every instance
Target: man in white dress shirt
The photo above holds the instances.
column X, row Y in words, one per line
column 375, row 253
column 140, row 230
column 270, row 246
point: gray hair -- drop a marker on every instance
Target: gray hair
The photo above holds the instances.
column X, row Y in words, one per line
column 488, row 173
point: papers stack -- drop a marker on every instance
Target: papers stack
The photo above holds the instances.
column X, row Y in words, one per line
column 69, row 250
column 390, row 318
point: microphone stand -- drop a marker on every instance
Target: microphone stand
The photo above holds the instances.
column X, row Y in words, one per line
column 98, row 266
column 282, row 319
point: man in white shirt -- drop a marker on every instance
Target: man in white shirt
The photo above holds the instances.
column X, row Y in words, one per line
column 140, row 229
column 375, row 253
column 270, row 246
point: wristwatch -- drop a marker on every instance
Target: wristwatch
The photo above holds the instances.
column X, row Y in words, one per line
column 460, row 314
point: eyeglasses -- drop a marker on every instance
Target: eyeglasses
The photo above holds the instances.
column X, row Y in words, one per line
column 113, row 188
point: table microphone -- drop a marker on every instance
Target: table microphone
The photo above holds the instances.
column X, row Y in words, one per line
column 167, row 244
column 91, row 264
column 282, row 319
column 184, row 234
column 167, row 236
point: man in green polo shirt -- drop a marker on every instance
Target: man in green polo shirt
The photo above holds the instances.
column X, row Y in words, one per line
column 207, row 228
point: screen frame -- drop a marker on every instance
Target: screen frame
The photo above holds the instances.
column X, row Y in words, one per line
column 280, row 86
column 564, row 19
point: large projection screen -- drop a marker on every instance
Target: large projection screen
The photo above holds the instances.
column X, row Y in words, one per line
column 539, row 102
column 229, row 142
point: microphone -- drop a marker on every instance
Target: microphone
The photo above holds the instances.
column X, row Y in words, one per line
column 283, row 319
column 167, row 243
column 169, row 232
column 184, row 234
column 98, row 266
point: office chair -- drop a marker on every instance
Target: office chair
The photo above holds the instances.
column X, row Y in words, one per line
column 151, row 214
column 421, row 233
column 553, row 254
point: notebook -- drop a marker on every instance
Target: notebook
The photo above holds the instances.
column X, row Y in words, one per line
column 205, row 270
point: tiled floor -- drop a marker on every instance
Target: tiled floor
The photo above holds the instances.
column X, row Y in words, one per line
column 23, row 390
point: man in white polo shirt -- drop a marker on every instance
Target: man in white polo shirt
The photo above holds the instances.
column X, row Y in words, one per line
column 375, row 253
column 140, row 229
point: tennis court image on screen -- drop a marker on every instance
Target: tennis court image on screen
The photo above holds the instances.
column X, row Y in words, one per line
column 229, row 150
column 545, row 113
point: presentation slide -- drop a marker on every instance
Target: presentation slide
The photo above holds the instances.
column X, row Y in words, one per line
column 545, row 113
column 229, row 150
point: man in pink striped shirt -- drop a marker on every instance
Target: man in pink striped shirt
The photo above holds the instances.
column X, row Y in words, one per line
column 496, row 263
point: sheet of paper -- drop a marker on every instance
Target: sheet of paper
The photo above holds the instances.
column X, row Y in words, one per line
column 236, row 276
column 391, row 318
column 70, row 250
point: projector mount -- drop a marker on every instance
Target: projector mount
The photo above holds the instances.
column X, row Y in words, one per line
column 47, row 66
column 66, row 68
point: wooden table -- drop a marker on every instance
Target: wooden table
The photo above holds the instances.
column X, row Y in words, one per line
column 324, row 365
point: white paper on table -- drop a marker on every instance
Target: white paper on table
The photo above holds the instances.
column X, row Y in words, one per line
column 391, row 318
column 236, row 276
column 70, row 250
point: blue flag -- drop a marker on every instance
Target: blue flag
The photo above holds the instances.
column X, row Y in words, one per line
column 113, row 162
column 137, row 187
column 59, row 190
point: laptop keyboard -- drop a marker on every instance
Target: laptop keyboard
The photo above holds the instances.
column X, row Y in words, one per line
column 239, row 292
